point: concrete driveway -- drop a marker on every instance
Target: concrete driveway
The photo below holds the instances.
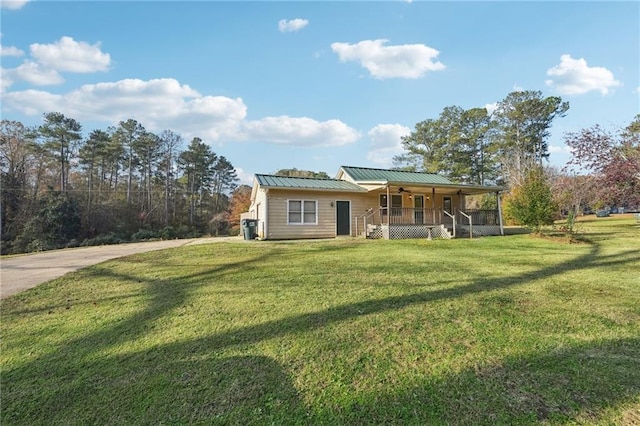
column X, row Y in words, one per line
column 24, row 272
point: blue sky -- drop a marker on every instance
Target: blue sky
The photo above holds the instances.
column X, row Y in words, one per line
column 313, row 85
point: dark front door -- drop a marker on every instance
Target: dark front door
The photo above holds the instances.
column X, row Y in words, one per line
column 343, row 218
column 418, row 212
column 447, row 206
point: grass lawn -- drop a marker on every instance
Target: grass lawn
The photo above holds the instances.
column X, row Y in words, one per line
column 494, row 330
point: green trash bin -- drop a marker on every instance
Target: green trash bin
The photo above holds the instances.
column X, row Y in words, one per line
column 249, row 229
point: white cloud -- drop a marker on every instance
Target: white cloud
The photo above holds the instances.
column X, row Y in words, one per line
column 491, row 107
column 300, row 131
column 386, row 141
column 158, row 104
column 555, row 149
column 10, row 51
column 13, row 4
column 5, row 79
column 575, row 77
column 292, row 25
column 245, row 178
column 35, row 73
column 47, row 60
column 69, row 55
column 401, row 61
column 166, row 104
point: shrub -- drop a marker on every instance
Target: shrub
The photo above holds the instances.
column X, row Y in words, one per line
column 145, row 234
column 104, row 239
column 531, row 204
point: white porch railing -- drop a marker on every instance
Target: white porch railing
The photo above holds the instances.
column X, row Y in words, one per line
column 370, row 213
column 486, row 221
column 470, row 223
column 453, row 220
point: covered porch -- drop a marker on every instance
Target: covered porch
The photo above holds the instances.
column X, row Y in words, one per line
column 435, row 212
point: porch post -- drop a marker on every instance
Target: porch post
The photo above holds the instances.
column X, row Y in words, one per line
column 433, row 205
column 500, row 213
column 388, row 206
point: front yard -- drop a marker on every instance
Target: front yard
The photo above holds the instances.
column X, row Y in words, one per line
column 494, row 330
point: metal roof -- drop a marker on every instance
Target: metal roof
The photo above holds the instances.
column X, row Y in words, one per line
column 271, row 181
column 363, row 174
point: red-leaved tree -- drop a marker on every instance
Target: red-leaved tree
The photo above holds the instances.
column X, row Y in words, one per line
column 613, row 159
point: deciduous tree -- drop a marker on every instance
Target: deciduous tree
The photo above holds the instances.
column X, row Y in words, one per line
column 240, row 202
column 613, row 159
column 531, row 204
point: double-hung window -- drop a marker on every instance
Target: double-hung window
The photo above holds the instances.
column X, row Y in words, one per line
column 396, row 204
column 302, row 212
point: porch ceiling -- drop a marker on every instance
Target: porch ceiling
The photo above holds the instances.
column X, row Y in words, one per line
column 394, row 188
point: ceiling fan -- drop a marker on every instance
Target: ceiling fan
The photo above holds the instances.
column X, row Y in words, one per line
column 401, row 190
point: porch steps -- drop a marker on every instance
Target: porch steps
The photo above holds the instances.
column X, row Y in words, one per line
column 373, row 232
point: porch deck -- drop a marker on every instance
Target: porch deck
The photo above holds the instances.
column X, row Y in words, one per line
column 404, row 222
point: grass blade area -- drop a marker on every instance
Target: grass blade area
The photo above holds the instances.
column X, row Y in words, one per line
column 495, row 330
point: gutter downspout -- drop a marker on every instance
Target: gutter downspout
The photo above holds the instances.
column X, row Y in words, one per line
column 500, row 213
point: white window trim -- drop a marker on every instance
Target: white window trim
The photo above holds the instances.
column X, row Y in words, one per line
column 302, row 222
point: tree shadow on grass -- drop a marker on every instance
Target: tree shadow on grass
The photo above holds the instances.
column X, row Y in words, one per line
column 189, row 382
column 164, row 388
column 569, row 384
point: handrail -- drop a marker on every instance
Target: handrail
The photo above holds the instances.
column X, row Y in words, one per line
column 364, row 217
column 470, row 222
column 454, row 221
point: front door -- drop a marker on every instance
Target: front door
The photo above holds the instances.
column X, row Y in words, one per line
column 343, row 217
column 418, row 212
column 447, row 206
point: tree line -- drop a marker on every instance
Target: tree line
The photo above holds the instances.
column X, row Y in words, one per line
column 477, row 147
column 124, row 183
column 509, row 147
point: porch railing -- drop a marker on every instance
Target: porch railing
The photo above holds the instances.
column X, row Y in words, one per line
column 418, row 216
column 365, row 219
column 470, row 219
column 409, row 216
column 453, row 221
column 479, row 217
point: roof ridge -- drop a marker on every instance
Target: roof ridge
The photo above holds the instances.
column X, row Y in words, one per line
column 388, row 170
column 297, row 177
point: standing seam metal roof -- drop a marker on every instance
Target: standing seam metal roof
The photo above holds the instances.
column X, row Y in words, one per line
column 307, row 183
column 363, row 174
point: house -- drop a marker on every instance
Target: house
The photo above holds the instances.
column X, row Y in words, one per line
column 375, row 203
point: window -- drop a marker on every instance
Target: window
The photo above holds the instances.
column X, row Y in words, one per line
column 396, row 204
column 302, row 212
column 383, row 201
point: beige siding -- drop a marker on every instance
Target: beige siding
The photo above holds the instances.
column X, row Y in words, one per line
column 277, row 219
column 258, row 209
column 277, row 200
